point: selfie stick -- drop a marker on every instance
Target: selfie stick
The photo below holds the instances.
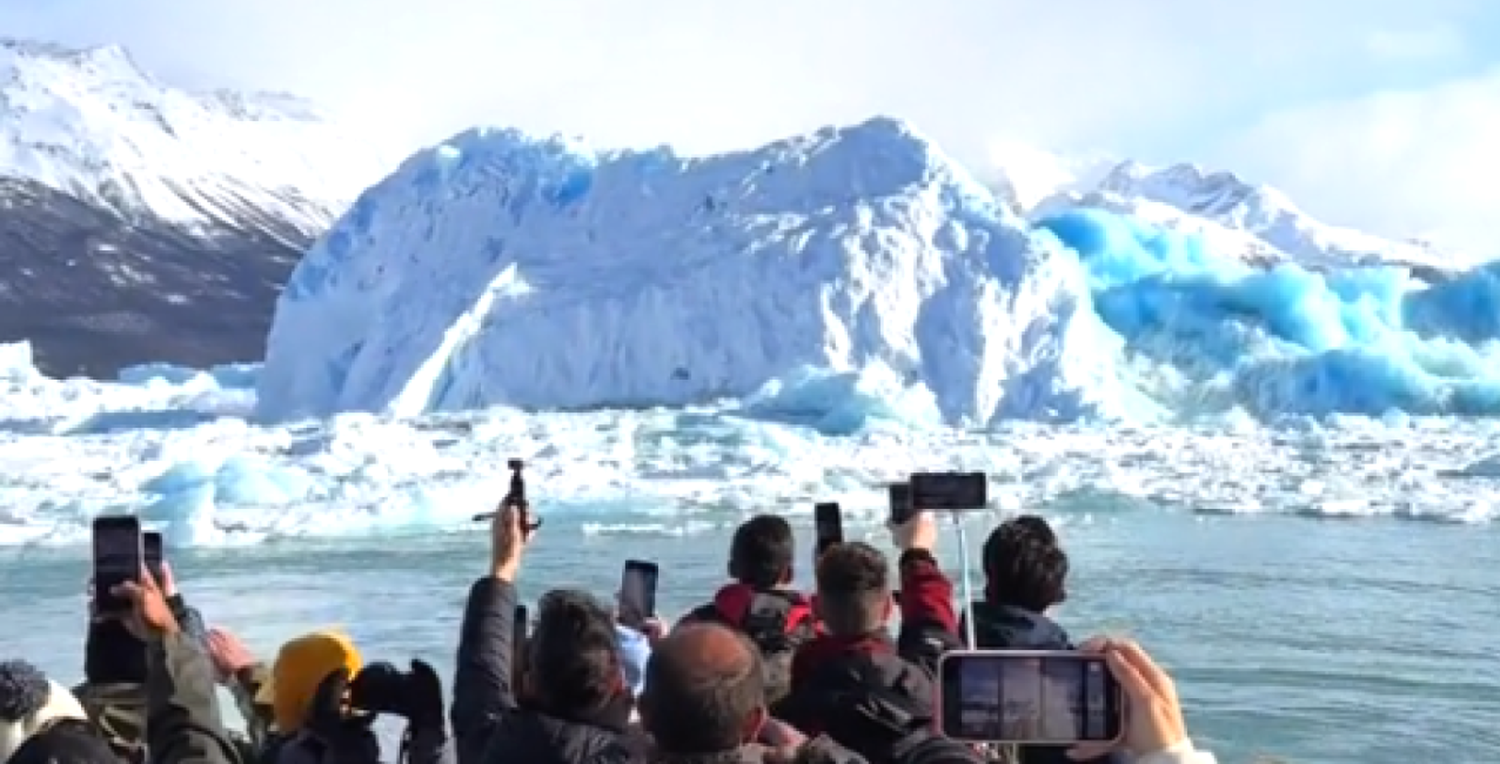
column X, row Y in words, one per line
column 968, row 586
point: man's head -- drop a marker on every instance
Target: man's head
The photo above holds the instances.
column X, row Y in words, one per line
column 705, row 691
column 761, row 554
column 1024, row 566
column 854, row 589
column 573, row 658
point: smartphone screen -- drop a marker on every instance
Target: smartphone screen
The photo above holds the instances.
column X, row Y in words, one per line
column 152, row 554
column 1012, row 697
column 949, row 491
column 828, row 523
column 118, row 557
column 638, row 591
column 901, row 507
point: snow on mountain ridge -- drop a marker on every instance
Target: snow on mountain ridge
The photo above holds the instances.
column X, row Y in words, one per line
column 91, row 123
column 1222, row 205
column 498, row 269
column 1022, row 175
column 1264, row 211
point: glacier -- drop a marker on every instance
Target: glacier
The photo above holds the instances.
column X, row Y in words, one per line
column 852, row 276
column 499, row 269
column 1285, row 339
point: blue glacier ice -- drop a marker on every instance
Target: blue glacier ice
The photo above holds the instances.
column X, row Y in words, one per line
column 1286, row 340
column 849, row 278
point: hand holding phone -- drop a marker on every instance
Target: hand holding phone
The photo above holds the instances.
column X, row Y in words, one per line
column 153, row 553
column 119, row 557
column 638, row 592
column 902, row 509
column 1014, row 697
column 519, row 639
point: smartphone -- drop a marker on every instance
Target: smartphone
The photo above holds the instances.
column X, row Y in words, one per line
column 1028, row 698
column 521, row 634
column 638, row 592
column 518, row 655
column 949, row 491
column 152, row 553
column 901, row 507
column 118, row 557
column 828, row 523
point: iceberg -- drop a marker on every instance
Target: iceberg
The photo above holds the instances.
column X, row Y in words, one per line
column 503, row 270
column 855, row 277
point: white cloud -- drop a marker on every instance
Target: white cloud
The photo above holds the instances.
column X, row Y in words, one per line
column 1397, row 162
column 1146, row 76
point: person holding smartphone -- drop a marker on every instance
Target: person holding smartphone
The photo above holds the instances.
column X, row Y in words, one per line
column 573, row 705
column 855, row 681
column 1026, row 575
column 113, row 690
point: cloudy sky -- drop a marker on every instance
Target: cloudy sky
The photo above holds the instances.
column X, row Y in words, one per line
column 1382, row 114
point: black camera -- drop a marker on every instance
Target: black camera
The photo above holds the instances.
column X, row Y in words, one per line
column 515, row 497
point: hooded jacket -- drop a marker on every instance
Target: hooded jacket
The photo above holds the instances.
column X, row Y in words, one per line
column 30, row 703
column 114, row 688
column 65, row 741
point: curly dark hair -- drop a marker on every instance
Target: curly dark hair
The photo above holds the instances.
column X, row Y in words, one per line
column 762, row 551
column 854, row 588
column 23, row 690
column 1024, row 566
column 572, row 657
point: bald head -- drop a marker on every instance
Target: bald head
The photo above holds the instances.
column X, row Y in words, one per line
column 707, row 650
column 705, row 691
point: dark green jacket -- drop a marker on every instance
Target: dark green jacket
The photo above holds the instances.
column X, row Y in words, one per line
column 120, row 712
column 182, row 715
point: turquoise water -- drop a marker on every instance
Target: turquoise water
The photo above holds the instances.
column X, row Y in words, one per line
column 1312, row 641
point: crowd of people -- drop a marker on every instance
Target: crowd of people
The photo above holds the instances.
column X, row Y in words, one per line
column 760, row 673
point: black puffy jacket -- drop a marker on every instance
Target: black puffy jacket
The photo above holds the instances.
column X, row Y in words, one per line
column 490, row 727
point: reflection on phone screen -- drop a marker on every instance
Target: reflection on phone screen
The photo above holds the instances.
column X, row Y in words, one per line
column 1029, row 699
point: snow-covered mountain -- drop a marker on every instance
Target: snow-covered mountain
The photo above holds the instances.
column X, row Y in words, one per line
column 139, row 221
column 1233, row 213
column 92, row 124
column 1023, row 176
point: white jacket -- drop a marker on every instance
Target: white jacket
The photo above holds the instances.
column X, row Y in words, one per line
column 60, row 704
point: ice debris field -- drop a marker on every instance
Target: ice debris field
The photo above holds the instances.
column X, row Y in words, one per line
column 676, row 341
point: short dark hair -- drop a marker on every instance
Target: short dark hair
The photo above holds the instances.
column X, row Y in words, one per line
column 1024, row 565
column 703, row 683
column 762, row 551
column 854, row 588
column 572, row 657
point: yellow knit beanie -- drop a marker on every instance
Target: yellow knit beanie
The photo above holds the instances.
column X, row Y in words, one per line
column 301, row 666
